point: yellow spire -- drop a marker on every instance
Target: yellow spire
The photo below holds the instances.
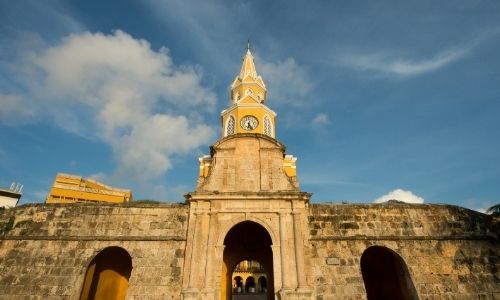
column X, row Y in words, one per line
column 248, row 84
column 248, row 66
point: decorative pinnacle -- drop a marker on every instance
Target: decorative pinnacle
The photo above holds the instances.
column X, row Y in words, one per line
column 248, row 46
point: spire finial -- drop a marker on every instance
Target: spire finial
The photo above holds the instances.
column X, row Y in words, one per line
column 248, row 66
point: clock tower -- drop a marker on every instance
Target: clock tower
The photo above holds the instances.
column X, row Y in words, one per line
column 247, row 205
column 248, row 112
column 248, row 119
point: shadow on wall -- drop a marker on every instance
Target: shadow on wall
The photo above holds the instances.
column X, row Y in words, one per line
column 486, row 258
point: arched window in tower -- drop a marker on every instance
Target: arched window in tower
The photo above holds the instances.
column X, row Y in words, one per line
column 268, row 126
column 107, row 275
column 230, row 125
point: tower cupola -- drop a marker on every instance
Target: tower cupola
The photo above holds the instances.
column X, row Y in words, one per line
column 247, row 112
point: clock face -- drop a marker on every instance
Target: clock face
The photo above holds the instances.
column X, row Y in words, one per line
column 249, row 122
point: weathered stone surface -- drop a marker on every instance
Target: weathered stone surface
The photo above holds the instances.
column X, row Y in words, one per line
column 450, row 252
column 44, row 254
column 247, row 163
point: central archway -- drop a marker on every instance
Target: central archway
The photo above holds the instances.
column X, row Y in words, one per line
column 246, row 241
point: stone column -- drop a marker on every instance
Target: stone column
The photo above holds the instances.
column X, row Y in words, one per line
column 217, row 269
column 277, row 267
column 190, row 292
column 200, row 255
column 299, row 251
column 210, row 252
column 194, row 255
column 285, row 272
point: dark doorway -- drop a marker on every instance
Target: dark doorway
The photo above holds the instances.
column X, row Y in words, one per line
column 262, row 283
column 251, row 242
column 238, row 285
column 386, row 275
column 250, row 285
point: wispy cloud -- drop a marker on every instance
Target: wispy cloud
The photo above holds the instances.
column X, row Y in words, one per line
column 203, row 23
column 321, row 119
column 49, row 18
column 393, row 64
column 290, row 81
column 14, row 109
column 478, row 205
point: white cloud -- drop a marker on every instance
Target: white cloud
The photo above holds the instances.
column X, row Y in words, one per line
column 321, row 119
column 147, row 149
column 393, row 64
column 117, row 89
column 289, row 81
column 400, row 195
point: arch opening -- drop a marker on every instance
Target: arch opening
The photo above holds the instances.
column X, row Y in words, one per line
column 249, row 277
column 250, row 285
column 386, row 275
column 262, row 284
column 247, row 258
column 107, row 275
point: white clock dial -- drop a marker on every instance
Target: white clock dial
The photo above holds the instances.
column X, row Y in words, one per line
column 249, row 123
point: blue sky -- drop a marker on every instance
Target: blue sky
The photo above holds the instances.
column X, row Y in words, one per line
column 373, row 97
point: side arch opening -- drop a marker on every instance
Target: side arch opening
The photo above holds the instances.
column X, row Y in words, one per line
column 386, row 275
column 107, row 275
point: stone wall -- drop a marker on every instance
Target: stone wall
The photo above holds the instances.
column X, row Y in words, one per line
column 450, row 252
column 247, row 163
column 45, row 249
